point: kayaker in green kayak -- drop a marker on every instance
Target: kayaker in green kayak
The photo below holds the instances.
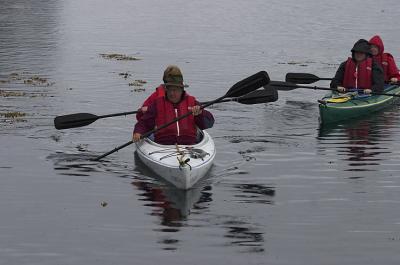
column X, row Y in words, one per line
column 384, row 59
column 359, row 71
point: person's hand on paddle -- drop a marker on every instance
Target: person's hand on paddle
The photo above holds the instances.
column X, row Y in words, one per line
column 367, row 91
column 393, row 80
column 144, row 109
column 136, row 137
column 341, row 89
column 196, row 110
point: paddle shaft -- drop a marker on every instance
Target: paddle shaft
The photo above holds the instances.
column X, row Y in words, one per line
column 106, row 116
column 332, row 89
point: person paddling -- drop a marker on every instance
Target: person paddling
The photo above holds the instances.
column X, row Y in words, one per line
column 359, row 71
column 384, row 59
column 174, row 103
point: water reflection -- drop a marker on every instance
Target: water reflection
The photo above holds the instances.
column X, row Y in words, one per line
column 172, row 206
column 29, row 34
column 243, row 234
column 254, row 193
column 363, row 144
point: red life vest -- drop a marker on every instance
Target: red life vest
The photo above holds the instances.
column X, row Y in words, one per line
column 160, row 91
column 358, row 77
column 383, row 60
column 184, row 129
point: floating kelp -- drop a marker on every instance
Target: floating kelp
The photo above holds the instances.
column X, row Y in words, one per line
column 4, row 93
column 138, row 89
column 27, row 79
column 137, row 83
column 301, row 63
column 125, row 75
column 119, row 57
column 13, row 114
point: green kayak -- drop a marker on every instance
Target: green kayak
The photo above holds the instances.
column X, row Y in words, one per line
column 334, row 107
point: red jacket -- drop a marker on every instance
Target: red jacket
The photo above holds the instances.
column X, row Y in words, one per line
column 358, row 77
column 384, row 59
column 166, row 112
column 156, row 115
column 159, row 93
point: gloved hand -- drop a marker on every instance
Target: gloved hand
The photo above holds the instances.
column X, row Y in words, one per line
column 367, row 91
column 136, row 137
column 341, row 89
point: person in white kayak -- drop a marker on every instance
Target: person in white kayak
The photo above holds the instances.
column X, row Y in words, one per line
column 175, row 103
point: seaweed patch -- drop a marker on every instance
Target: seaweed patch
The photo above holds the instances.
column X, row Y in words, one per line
column 118, row 57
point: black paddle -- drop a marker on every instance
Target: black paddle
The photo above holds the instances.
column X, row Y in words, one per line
column 83, row 119
column 287, row 86
column 239, row 89
column 303, row 78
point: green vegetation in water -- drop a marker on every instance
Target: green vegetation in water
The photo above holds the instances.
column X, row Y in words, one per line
column 28, row 79
column 137, row 83
column 138, row 89
column 125, row 75
column 119, row 57
column 301, row 63
column 4, row 93
column 13, row 114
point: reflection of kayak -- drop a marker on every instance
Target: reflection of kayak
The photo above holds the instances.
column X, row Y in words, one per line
column 334, row 108
column 181, row 165
column 183, row 200
column 176, row 203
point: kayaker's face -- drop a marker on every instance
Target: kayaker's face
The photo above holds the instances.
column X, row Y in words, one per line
column 374, row 50
column 174, row 93
column 360, row 56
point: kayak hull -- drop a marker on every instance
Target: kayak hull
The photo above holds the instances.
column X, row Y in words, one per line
column 164, row 160
column 356, row 107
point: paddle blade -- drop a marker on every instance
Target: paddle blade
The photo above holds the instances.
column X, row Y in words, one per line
column 280, row 85
column 248, row 85
column 301, row 78
column 259, row 96
column 74, row 120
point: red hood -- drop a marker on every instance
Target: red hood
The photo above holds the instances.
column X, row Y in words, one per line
column 377, row 41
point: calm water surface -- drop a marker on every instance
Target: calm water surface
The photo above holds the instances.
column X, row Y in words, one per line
column 282, row 190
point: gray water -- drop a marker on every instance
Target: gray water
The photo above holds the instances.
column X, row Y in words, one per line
column 281, row 191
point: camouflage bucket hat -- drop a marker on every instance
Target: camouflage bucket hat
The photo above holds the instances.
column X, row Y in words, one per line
column 173, row 76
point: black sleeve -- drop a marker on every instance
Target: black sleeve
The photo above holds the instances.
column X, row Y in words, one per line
column 338, row 79
column 378, row 78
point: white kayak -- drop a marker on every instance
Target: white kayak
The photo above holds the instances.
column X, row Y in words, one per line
column 181, row 165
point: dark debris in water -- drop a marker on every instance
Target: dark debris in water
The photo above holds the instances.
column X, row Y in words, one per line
column 12, row 117
column 118, row 57
column 137, row 82
column 13, row 114
column 10, row 93
column 27, row 79
column 125, row 75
